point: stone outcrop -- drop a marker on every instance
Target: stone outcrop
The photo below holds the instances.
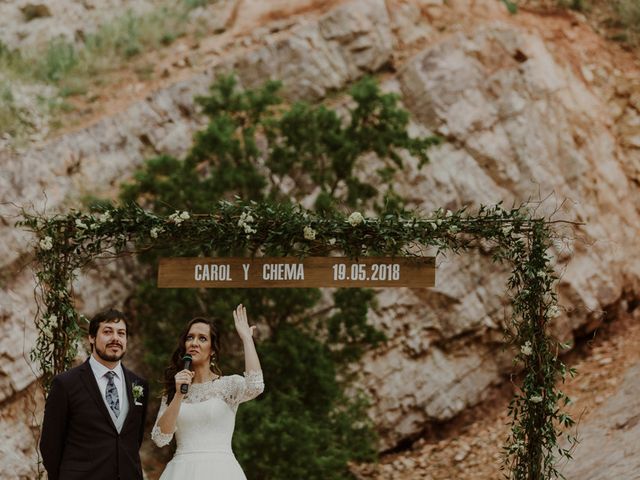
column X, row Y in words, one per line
column 520, row 123
column 617, row 421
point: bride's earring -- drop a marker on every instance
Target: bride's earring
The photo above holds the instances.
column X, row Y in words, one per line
column 214, row 366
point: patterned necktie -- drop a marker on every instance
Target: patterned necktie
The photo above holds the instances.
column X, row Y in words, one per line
column 111, row 394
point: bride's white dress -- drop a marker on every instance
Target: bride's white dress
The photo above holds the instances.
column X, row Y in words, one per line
column 205, row 426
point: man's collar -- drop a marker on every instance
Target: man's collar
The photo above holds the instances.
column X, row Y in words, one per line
column 99, row 369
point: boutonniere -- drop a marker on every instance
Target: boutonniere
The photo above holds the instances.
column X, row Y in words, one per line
column 138, row 393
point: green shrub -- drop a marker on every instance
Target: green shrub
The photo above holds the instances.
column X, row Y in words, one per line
column 304, row 426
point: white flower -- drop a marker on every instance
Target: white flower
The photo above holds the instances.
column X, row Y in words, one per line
column 332, row 241
column 453, row 229
column 137, row 391
column 526, row 348
column 105, row 217
column 80, row 223
column 244, row 219
column 179, row 217
column 309, row 233
column 434, row 226
column 439, row 222
column 46, row 243
column 507, row 230
column 449, row 213
column 535, row 399
column 154, row 232
column 554, row 311
column 245, row 222
column 355, row 218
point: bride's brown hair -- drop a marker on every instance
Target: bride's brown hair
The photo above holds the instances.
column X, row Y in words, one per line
column 176, row 363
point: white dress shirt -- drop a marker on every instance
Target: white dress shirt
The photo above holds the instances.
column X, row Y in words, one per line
column 99, row 371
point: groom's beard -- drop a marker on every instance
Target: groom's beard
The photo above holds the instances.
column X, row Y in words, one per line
column 109, row 357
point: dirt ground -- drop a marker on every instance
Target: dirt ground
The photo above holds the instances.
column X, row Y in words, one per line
column 472, row 443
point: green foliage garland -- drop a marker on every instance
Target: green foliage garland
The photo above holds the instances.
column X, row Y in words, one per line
column 68, row 242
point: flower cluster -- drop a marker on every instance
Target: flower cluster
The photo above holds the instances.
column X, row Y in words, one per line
column 355, row 218
column 245, row 222
column 46, row 243
column 138, row 392
column 526, row 348
column 80, row 224
column 179, row 217
column 309, row 233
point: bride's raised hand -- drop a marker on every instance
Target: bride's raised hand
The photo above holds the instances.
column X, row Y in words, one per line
column 242, row 324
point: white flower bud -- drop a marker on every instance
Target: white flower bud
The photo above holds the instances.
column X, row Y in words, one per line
column 309, row 233
column 46, row 243
column 355, row 218
column 526, row 349
column 176, row 218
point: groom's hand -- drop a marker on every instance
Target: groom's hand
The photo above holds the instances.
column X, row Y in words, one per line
column 183, row 377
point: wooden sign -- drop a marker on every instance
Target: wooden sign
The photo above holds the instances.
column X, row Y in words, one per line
column 293, row 272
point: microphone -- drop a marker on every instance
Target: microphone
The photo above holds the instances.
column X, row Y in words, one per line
column 184, row 388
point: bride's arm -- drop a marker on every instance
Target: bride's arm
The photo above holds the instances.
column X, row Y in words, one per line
column 167, row 421
column 251, row 360
column 165, row 425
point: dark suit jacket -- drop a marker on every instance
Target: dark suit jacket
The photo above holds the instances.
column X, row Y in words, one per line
column 79, row 439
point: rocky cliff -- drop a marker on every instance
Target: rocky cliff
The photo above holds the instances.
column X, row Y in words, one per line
column 533, row 108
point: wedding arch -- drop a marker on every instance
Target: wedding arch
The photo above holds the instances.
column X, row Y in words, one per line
column 68, row 242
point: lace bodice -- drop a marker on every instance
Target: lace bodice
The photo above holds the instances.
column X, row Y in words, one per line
column 209, row 409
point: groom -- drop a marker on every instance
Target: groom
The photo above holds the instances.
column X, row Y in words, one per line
column 95, row 413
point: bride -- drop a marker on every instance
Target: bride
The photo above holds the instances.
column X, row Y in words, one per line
column 203, row 419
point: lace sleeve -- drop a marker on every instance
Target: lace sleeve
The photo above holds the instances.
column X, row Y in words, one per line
column 159, row 438
column 242, row 389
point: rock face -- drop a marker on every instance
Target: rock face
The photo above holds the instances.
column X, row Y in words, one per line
column 321, row 56
column 520, row 123
column 617, row 423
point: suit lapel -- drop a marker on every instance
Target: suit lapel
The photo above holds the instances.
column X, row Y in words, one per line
column 128, row 379
column 89, row 380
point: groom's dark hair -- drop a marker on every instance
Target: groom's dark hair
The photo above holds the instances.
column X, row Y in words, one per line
column 107, row 316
